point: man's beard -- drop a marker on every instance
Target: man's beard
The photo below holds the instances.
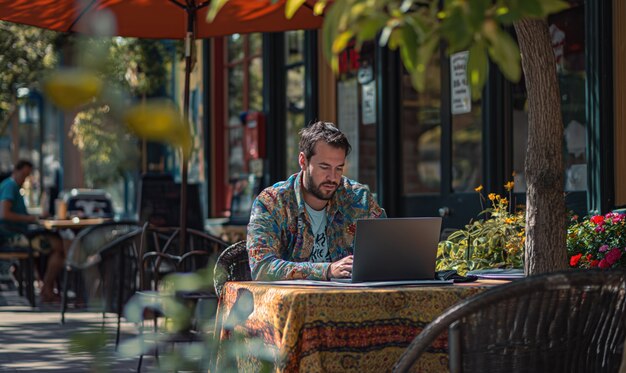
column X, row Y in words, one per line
column 315, row 190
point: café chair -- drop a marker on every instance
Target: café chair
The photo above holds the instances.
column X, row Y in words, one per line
column 231, row 265
column 166, row 240
column 84, row 255
column 119, row 281
column 571, row 321
column 25, row 256
column 160, row 256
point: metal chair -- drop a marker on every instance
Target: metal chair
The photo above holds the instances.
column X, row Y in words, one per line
column 160, row 255
column 231, row 265
column 571, row 321
column 163, row 243
column 84, row 253
column 119, row 280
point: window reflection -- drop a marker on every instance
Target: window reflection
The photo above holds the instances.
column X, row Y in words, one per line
column 235, row 47
column 467, row 149
column 294, row 51
column 421, row 133
column 244, row 72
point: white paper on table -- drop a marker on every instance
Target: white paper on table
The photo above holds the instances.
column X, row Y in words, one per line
column 358, row 284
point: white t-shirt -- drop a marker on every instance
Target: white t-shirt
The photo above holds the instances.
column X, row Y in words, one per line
column 318, row 225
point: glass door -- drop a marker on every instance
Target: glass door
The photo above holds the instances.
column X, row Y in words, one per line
column 441, row 134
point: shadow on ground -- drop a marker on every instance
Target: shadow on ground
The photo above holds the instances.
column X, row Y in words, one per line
column 34, row 340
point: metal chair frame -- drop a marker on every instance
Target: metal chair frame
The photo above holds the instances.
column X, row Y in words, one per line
column 73, row 266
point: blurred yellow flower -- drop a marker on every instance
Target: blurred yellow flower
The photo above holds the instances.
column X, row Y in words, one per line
column 492, row 196
column 160, row 120
column 478, row 188
column 509, row 186
column 71, row 88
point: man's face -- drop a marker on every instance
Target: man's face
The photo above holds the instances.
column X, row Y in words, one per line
column 323, row 171
column 22, row 175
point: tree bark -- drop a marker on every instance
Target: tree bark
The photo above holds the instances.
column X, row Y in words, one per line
column 545, row 203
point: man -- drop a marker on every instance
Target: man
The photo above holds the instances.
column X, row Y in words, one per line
column 303, row 228
column 14, row 218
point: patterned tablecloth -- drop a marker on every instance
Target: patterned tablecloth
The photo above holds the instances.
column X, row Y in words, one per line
column 321, row 329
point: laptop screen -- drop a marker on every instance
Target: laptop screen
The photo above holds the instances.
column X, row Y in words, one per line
column 395, row 249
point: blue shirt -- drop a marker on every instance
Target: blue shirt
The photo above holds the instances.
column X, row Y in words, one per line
column 10, row 191
column 280, row 237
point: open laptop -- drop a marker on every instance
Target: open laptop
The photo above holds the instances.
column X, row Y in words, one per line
column 397, row 250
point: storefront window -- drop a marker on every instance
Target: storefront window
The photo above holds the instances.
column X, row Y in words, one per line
column 421, row 133
column 295, row 72
column 245, row 83
column 467, row 149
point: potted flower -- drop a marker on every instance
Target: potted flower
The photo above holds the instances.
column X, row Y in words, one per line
column 496, row 240
column 597, row 241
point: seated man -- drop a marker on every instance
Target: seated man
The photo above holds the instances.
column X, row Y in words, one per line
column 14, row 218
column 303, row 228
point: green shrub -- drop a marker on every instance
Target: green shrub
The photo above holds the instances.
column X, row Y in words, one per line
column 495, row 241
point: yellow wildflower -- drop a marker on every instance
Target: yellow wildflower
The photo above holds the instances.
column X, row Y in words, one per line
column 492, row 196
column 479, row 188
column 509, row 186
column 509, row 220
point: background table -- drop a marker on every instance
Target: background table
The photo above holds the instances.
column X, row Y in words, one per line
column 71, row 223
column 321, row 329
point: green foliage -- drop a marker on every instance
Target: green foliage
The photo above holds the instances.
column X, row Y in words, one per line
column 597, row 241
column 108, row 149
column 178, row 315
column 135, row 67
column 25, row 52
column 416, row 28
column 93, row 343
column 494, row 242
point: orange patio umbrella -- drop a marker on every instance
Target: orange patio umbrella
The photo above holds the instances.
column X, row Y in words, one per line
column 161, row 19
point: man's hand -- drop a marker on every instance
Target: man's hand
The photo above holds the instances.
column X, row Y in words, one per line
column 341, row 268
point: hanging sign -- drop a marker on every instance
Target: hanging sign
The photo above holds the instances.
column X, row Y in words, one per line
column 368, row 102
column 461, row 94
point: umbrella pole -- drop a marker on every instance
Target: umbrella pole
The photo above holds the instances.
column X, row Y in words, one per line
column 183, row 180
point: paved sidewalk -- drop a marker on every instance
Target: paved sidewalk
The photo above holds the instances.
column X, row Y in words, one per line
column 33, row 339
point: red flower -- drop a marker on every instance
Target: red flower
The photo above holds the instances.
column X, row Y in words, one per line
column 573, row 261
column 604, row 264
column 613, row 256
column 594, row 263
column 597, row 219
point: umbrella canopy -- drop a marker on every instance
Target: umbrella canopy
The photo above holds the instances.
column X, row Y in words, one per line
column 158, row 19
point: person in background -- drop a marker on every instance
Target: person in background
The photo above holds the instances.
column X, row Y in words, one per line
column 303, row 228
column 14, row 224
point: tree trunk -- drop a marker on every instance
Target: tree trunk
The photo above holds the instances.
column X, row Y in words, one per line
column 545, row 201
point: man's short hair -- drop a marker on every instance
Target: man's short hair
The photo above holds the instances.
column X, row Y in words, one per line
column 21, row 164
column 322, row 131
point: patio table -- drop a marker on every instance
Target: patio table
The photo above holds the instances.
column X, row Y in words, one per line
column 322, row 329
column 74, row 223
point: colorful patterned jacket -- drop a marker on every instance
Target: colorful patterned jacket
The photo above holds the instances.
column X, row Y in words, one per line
column 280, row 238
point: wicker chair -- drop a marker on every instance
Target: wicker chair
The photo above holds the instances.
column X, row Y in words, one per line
column 560, row 322
column 232, row 265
